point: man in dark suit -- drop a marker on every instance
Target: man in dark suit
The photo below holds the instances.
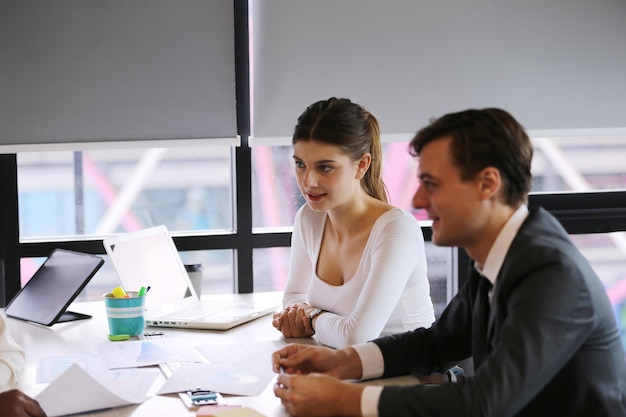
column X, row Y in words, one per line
column 544, row 341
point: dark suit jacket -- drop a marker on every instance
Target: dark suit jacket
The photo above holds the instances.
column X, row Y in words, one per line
column 554, row 347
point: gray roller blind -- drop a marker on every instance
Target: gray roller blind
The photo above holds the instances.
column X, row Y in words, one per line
column 116, row 70
column 558, row 64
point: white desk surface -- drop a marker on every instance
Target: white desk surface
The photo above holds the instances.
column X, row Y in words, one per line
column 81, row 337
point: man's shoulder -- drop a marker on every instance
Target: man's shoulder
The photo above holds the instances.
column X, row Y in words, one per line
column 541, row 242
column 541, row 224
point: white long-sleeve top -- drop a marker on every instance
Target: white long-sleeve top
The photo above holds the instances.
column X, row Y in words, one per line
column 11, row 358
column 389, row 292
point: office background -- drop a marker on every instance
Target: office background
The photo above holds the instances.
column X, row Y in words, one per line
column 115, row 116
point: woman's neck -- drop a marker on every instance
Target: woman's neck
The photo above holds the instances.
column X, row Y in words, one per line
column 352, row 218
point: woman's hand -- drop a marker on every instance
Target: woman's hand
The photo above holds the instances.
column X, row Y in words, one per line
column 293, row 321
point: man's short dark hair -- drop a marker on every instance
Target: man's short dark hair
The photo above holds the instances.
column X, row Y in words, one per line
column 482, row 138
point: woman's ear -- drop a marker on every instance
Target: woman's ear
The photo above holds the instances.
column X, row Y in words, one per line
column 363, row 165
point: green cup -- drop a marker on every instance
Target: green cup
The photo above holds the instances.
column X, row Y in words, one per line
column 125, row 315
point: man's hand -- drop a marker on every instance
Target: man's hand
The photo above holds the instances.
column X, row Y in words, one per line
column 15, row 403
column 318, row 395
column 304, row 359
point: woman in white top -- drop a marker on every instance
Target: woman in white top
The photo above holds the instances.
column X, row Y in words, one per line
column 358, row 264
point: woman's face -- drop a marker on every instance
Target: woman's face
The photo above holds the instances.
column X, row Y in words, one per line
column 326, row 176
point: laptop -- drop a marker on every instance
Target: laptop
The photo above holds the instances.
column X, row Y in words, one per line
column 149, row 258
column 58, row 281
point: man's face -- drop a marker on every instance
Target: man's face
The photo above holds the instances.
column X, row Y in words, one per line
column 455, row 206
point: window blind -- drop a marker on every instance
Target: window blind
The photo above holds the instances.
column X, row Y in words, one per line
column 110, row 71
column 554, row 65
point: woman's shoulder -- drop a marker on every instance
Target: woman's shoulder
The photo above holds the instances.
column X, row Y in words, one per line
column 398, row 221
column 397, row 215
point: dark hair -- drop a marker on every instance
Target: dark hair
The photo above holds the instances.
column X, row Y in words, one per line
column 340, row 122
column 482, row 138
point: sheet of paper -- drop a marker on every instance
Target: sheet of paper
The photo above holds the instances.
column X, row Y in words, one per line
column 238, row 369
column 75, row 391
column 215, row 377
column 49, row 368
column 138, row 353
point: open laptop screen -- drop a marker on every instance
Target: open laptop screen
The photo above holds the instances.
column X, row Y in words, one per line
column 150, row 258
column 58, row 281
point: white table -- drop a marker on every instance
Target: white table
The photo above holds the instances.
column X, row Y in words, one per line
column 81, row 337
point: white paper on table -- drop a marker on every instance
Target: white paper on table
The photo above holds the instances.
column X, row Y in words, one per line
column 49, row 368
column 75, row 391
column 215, row 377
column 136, row 353
column 238, row 369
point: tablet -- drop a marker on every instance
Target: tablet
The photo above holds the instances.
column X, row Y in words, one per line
column 45, row 298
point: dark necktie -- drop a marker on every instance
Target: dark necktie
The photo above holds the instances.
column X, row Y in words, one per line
column 480, row 321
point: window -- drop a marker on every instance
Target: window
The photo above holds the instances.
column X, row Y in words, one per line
column 579, row 163
column 190, row 191
column 105, row 192
column 93, row 194
column 607, row 255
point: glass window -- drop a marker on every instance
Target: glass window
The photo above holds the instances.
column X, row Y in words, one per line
column 607, row 255
column 270, row 268
column 559, row 164
column 579, row 163
column 275, row 195
column 218, row 275
column 115, row 191
column 441, row 275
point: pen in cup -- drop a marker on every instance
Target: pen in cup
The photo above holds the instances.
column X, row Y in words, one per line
column 143, row 291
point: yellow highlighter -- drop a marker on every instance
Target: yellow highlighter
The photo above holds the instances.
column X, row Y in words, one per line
column 118, row 292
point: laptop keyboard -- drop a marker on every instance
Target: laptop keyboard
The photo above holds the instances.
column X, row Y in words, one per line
column 196, row 311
